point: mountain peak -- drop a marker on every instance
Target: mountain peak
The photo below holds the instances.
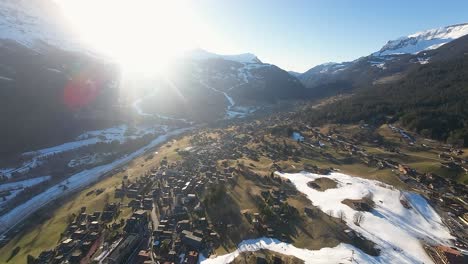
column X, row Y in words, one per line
column 424, row 40
column 200, row 54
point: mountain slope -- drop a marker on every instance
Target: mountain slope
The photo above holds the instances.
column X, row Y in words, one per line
column 51, row 96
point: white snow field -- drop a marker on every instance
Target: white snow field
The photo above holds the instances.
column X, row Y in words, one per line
column 397, row 231
column 73, row 183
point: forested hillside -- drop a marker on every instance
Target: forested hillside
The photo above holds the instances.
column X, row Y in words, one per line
column 430, row 99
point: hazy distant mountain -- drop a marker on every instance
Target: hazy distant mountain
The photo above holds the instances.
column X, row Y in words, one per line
column 295, row 74
column 245, row 77
column 203, row 85
column 200, row 54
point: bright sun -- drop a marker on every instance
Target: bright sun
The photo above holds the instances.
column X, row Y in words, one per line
column 142, row 35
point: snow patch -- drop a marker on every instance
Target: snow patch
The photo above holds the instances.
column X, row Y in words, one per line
column 338, row 254
column 423, row 60
column 396, row 230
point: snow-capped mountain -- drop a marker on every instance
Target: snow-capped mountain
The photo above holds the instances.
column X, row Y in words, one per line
column 425, row 40
column 34, row 22
column 390, row 62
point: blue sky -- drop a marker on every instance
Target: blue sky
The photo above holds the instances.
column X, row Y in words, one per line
column 297, row 35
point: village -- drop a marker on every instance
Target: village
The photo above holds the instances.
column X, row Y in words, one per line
column 172, row 205
column 168, row 223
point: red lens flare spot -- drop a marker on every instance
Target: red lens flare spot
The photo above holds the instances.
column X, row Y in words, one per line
column 80, row 92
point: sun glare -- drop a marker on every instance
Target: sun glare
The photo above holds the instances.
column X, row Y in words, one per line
column 142, row 35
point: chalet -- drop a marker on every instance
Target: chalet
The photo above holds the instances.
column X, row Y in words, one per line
column 172, row 256
column 94, row 225
column 141, row 215
column 405, row 170
column 198, row 233
column 58, row 259
column 119, row 193
column 132, row 193
column 183, row 225
column 76, row 256
column 78, row 234
column 93, row 236
column 191, row 258
column 86, row 246
column 450, row 255
column 66, row 246
column 143, row 256
column 97, row 214
column 148, row 204
column 202, row 223
column 191, row 241
column 107, row 216
column 121, row 253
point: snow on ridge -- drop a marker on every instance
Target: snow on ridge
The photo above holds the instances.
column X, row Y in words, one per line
column 397, row 231
column 448, row 32
column 424, row 40
column 29, row 22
